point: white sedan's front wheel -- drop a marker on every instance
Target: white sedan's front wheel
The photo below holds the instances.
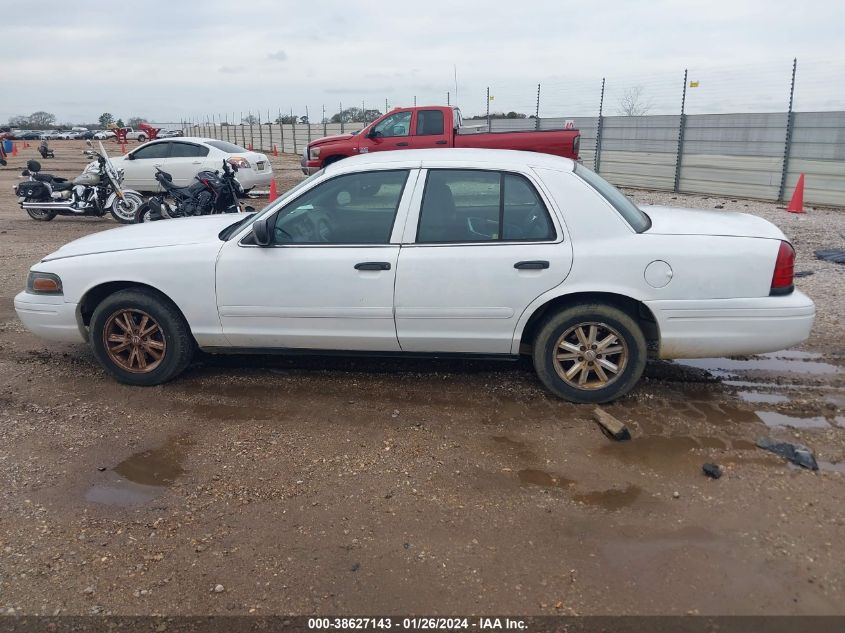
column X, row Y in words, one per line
column 590, row 353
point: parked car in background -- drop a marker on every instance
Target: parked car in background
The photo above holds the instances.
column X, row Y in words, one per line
column 86, row 135
column 104, row 134
column 170, row 133
column 432, row 127
column 49, row 135
column 476, row 252
column 184, row 157
column 67, row 135
column 26, row 135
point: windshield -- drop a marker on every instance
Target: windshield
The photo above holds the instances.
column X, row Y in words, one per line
column 223, row 146
column 227, row 233
column 638, row 220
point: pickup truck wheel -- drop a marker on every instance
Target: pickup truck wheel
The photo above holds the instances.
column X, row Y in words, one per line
column 141, row 138
column 140, row 339
column 590, row 353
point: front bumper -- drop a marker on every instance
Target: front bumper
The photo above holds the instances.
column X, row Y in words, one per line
column 50, row 317
column 309, row 167
column 732, row 327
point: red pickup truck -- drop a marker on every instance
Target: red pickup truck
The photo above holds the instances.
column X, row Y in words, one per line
column 432, row 126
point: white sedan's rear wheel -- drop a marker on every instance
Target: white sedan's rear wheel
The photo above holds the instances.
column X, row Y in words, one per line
column 590, row 353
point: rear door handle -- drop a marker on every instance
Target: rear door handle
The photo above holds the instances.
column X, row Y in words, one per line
column 539, row 264
column 402, row 144
column 373, row 266
column 441, row 142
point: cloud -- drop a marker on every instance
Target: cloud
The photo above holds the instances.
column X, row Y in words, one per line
column 230, row 70
column 278, row 56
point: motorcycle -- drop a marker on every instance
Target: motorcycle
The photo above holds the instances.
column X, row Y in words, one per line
column 96, row 191
column 211, row 193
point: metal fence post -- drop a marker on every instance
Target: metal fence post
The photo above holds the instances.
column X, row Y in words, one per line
column 251, row 136
column 447, row 98
column 308, row 123
column 341, row 116
column 681, row 127
column 787, row 145
column 281, row 132
column 537, row 110
column 293, row 131
column 260, row 133
column 599, row 128
column 243, row 134
column 325, row 131
column 488, row 109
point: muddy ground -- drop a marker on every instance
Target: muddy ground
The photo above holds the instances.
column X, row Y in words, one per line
column 331, row 485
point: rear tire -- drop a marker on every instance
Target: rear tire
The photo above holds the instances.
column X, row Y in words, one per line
column 590, row 353
column 141, row 338
column 41, row 216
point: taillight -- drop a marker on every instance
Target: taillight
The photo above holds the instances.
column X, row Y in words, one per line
column 782, row 279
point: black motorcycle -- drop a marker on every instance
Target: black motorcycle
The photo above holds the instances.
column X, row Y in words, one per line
column 210, row 193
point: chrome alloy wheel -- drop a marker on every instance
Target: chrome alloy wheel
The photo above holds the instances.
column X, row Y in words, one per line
column 590, row 355
column 134, row 341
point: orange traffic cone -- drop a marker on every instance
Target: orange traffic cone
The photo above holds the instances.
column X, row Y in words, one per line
column 14, row 149
column 275, row 150
column 273, row 193
column 796, row 204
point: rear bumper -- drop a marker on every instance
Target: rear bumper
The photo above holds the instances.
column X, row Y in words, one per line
column 250, row 178
column 731, row 327
column 49, row 317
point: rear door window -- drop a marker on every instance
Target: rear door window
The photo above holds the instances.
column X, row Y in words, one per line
column 473, row 205
column 429, row 122
column 152, row 150
column 187, row 150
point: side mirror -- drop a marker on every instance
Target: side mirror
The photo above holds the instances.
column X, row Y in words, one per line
column 130, row 157
column 373, row 133
column 261, row 231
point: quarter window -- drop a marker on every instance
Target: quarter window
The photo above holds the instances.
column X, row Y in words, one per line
column 481, row 206
column 351, row 209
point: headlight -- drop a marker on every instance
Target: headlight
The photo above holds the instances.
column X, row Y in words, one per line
column 43, row 283
column 314, row 153
column 240, row 162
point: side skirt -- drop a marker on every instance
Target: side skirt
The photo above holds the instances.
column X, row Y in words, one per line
column 285, row 351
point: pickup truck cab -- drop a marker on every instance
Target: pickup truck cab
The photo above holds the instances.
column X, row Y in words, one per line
column 427, row 127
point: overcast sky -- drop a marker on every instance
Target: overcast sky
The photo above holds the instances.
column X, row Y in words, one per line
column 169, row 61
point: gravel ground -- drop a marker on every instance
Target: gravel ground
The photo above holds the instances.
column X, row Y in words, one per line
column 330, row 485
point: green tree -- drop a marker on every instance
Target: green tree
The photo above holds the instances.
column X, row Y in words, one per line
column 106, row 119
column 120, row 123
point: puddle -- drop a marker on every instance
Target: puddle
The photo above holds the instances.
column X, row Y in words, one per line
column 660, row 452
column 759, row 397
column 532, row 477
column 775, row 419
column 613, row 499
column 786, row 362
column 142, row 476
column 832, row 467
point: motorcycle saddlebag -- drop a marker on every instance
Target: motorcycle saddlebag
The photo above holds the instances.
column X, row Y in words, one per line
column 33, row 190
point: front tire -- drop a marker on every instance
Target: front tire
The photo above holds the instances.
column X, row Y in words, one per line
column 124, row 211
column 140, row 338
column 590, row 353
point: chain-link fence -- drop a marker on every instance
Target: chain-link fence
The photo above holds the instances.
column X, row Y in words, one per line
column 730, row 131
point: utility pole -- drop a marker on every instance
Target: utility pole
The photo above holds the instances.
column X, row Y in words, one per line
column 537, row 110
column 488, row 109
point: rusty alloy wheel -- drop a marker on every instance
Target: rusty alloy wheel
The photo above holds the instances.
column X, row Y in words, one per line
column 590, row 355
column 134, row 341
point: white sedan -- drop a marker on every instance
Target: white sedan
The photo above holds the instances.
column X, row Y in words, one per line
column 454, row 251
column 184, row 157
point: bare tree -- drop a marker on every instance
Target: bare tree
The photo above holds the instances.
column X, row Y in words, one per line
column 632, row 102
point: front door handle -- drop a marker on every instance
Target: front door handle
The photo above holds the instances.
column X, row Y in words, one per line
column 441, row 142
column 402, row 144
column 539, row 264
column 196, row 162
column 373, row 266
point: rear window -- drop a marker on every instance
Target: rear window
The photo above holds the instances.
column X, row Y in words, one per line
column 638, row 220
column 229, row 148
